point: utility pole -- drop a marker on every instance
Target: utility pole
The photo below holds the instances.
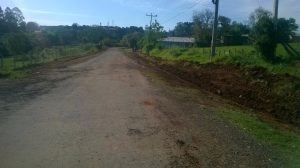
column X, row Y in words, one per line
column 151, row 18
column 215, row 29
column 275, row 12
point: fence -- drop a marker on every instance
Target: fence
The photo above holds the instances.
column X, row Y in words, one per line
column 37, row 57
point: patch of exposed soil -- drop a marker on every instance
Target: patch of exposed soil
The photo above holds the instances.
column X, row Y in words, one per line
column 254, row 88
column 38, row 82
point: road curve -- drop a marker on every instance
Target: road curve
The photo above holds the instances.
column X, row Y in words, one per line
column 111, row 112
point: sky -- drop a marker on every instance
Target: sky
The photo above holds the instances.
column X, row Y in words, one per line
column 133, row 12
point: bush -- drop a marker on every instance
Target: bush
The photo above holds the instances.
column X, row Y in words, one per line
column 16, row 43
column 264, row 37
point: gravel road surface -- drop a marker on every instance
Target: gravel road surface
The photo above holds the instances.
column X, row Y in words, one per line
column 109, row 111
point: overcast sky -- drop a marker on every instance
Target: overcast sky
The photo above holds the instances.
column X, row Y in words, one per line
column 133, row 12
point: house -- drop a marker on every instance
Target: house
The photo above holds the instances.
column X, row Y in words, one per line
column 177, row 42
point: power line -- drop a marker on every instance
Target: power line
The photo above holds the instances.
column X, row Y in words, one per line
column 181, row 8
column 184, row 11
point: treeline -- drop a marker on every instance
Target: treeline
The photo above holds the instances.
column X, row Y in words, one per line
column 262, row 30
column 229, row 32
column 20, row 38
column 75, row 34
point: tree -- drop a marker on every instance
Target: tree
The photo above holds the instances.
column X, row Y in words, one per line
column 2, row 28
column 18, row 15
column 258, row 14
column 131, row 40
column 183, row 29
column 264, row 34
column 152, row 36
column 10, row 21
column 14, row 20
column 286, row 29
column 202, row 27
column 224, row 21
column 32, row 27
column 1, row 14
column 16, row 43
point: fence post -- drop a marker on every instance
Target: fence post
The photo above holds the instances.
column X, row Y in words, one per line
column 23, row 63
column 1, row 61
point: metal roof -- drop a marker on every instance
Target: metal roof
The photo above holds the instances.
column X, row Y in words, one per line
column 178, row 39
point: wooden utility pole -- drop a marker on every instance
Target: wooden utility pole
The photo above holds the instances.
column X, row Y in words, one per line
column 151, row 18
column 1, row 61
column 275, row 12
column 215, row 28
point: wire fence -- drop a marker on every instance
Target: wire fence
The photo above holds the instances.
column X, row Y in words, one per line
column 229, row 51
column 43, row 56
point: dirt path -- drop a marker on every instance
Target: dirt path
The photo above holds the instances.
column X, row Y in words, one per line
column 110, row 112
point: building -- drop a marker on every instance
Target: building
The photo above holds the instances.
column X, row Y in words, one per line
column 177, row 42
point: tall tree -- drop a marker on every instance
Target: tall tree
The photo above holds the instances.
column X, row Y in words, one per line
column 202, row 27
column 152, row 36
column 2, row 28
column 11, row 23
column 259, row 14
column 264, row 34
column 1, row 14
column 286, row 29
column 225, row 23
column 18, row 15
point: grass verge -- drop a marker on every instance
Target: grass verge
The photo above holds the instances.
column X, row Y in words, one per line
column 236, row 55
column 285, row 143
column 17, row 66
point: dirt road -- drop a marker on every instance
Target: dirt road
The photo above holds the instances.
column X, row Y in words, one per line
column 110, row 112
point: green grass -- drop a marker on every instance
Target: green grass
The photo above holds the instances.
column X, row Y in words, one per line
column 16, row 67
column 285, row 143
column 241, row 55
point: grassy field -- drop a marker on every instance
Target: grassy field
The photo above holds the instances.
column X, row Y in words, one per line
column 15, row 67
column 238, row 55
column 285, row 143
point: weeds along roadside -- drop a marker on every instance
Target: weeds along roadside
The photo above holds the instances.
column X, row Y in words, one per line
column 17, row 66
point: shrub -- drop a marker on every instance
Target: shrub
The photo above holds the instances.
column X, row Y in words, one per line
column 264, row 37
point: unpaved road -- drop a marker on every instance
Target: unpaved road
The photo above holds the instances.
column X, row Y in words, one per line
column 110, row 112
